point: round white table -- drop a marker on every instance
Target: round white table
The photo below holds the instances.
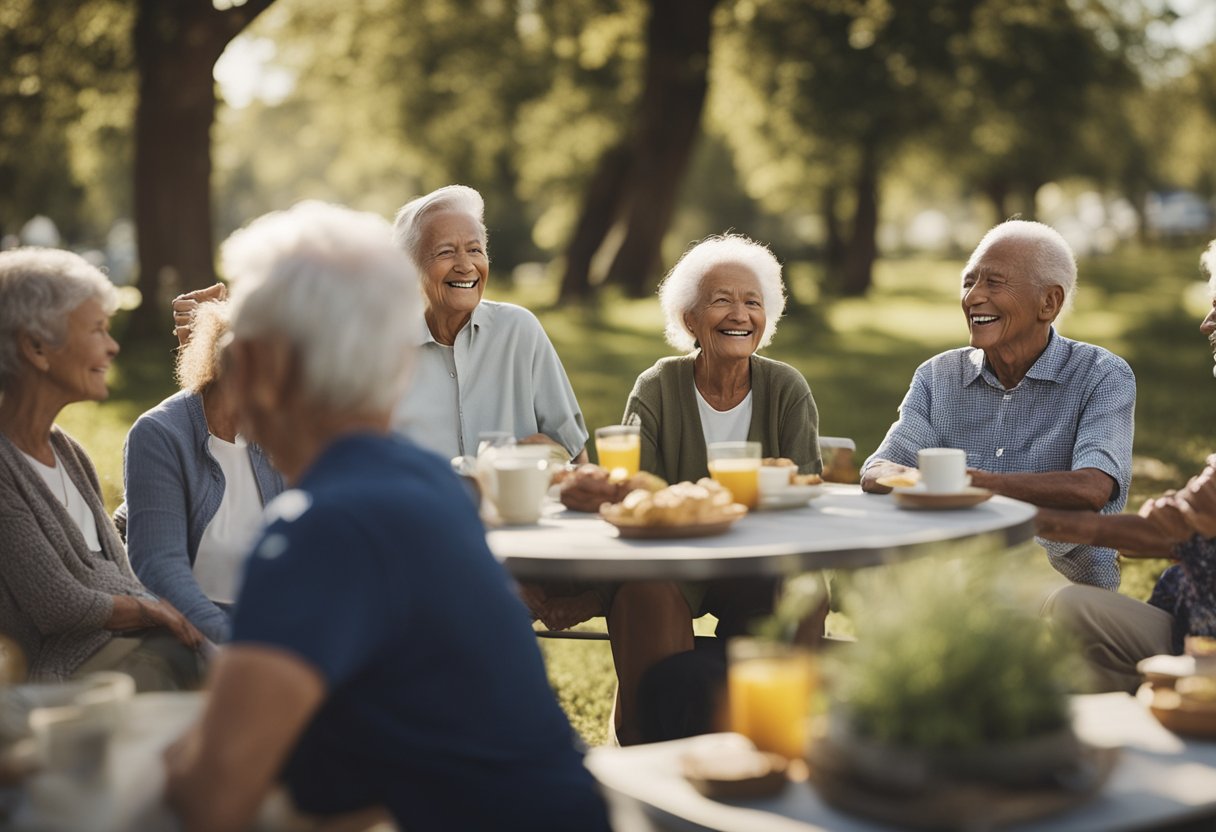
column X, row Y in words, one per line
column 843, row 529
column 1160, row 779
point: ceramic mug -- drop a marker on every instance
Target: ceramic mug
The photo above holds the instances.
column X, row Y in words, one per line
column 520, row 487
column 943, row 470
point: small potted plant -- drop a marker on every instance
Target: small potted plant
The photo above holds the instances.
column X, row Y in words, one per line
column 953, row 680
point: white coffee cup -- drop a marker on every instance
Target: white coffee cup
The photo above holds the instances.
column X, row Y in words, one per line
column 943, row 470
column 520, row 488
column 774, row 479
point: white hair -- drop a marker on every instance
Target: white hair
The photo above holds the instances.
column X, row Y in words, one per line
column 39, row 288
column 679, row 291
column 1208, row 261
column 329, row 281
column 411, row 219
column 1050, row 260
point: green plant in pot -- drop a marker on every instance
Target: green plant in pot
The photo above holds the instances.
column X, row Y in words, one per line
column 953, row 677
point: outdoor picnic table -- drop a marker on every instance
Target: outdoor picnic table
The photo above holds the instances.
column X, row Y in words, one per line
column 843, row 529
column 1159, row 778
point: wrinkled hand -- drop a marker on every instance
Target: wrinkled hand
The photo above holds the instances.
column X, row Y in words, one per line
column 184, row 306
column 1167, row 515
column 587, row 488
column 163, row 614
column 563, row 613
column 534, row 599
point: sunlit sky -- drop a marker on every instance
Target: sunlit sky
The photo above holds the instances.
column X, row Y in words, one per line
column 246, row 71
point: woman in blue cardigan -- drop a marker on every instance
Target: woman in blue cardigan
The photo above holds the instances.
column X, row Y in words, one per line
column 194, row 487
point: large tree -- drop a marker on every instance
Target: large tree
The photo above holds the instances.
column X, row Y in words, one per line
column 843, row 85
column 177, row 43
column 636, row 182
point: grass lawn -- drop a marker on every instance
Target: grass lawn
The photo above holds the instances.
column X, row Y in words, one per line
column 857, row 354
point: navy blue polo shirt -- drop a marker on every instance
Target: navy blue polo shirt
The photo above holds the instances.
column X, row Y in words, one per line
column 375, row 571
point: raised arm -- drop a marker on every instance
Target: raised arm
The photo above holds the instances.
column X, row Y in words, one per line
column 184, row 306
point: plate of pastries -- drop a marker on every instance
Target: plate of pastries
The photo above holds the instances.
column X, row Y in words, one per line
column 686, row 509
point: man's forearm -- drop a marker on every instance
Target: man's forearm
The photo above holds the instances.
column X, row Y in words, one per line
column 1087, row 489
column 1132, row 535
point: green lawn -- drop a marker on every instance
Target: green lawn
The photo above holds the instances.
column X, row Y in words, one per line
column 858, row 356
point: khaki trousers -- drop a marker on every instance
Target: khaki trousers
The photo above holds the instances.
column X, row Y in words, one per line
column 1113, row 632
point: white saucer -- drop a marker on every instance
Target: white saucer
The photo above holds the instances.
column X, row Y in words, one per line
column 792, row 496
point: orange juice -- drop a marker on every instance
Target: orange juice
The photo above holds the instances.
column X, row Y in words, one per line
column 740, row 476
column 770, row 701
column 620, row 451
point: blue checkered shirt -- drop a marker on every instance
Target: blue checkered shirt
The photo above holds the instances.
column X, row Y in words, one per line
column 1074, row 409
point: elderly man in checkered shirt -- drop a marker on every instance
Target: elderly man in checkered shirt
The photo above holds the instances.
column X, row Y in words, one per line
column 1043, row 418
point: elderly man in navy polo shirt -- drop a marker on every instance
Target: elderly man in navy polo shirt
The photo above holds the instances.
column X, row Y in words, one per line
column 1043, row 418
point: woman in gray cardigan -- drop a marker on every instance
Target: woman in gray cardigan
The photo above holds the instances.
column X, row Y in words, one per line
column 722, row 301
column 194, row 488
column 68, row 596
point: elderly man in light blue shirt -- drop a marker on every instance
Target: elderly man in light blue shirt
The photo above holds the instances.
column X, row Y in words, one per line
column 1043, row 418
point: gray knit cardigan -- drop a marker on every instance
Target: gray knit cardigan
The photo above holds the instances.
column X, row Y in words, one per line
column 56, row 595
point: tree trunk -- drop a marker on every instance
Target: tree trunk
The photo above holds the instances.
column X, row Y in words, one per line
column 858, row 271
column 177, row 43
column 640, row 177
column 833, row 244
column 998, row 194
column 601, row 206
column 668, row 123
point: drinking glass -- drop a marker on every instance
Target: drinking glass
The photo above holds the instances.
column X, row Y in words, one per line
column 736, row 466
column 619, row 446
column 769, row 687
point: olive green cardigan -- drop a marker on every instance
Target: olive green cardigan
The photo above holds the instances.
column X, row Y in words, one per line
column 785, row 420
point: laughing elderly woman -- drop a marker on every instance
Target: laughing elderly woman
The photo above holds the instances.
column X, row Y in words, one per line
column 67, row 593
column 722, row 301
column 482, row 366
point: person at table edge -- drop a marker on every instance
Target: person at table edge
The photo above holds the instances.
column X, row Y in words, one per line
column 1043, row 418
column 1116, row 632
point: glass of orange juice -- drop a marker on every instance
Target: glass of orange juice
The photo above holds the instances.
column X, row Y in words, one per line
column 619, row 446
column 769, row 687
column 736, row 465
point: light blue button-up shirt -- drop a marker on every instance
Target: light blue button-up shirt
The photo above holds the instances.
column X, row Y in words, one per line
column 502, row 374
column 1074, row 409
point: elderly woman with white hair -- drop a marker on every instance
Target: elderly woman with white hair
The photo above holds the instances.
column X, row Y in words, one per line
column 356, row 672
column 68, row 596
column 482, row 366
column 722, row 302
column 195, row 487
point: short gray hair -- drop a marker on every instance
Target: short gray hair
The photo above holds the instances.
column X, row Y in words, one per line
column 39, row 288
column 1208, row 261
column 1050, row 258
column 330, row 282
column 679, row 291
column 411, row 219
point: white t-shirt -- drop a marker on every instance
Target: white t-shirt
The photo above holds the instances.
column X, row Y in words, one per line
column 231, row 532
column 725, row 425
column 69, row 495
